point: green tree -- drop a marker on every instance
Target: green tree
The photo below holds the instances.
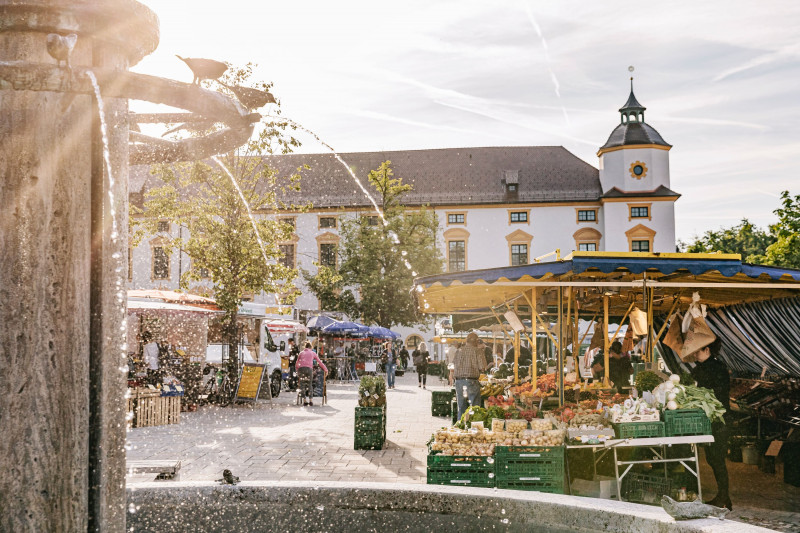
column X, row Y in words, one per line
column 205, row 199
column 785, row 251
column 378, row 261
column 744, row 238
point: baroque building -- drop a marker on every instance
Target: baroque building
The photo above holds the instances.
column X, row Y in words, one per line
column 496, row 206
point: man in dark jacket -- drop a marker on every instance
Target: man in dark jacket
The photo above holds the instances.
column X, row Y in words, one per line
column 294, row 351
column 711, row 373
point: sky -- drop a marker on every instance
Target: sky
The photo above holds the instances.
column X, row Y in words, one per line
column 720, row 80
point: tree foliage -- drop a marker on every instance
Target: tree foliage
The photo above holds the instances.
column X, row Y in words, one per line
column 377, row 263
column 778, row 246
column 785, row 251
column 743, row 238
column 205, row 200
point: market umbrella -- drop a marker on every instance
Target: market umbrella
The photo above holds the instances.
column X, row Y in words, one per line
column 345, row 328
column 378, row 332
column 315, row 324
column 280, row 326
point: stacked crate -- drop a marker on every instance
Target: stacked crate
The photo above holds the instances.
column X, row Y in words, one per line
column 539, row 468
column 680, row 422
column 639, row 430
column 370, row 428
column 440, row 402
column 643, row 488
column 473, row 471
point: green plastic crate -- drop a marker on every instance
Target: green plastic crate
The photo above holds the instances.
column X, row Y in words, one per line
column 538, row 464
column 442, row 396
column 530, row 452
column 442, row 409
column 369, row 440
column 370, row 424
column 638, row 430
column 475, row 471
column 680, row 422
column 366, row 412
column 454, row 411
column 643, row 488
column 553, row 487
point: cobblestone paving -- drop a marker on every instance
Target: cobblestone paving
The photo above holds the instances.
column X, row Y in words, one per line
column 293, row 443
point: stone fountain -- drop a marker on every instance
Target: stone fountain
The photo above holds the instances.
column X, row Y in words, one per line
column 62, row 416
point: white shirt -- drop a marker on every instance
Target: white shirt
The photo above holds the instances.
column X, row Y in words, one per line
column 151, row 355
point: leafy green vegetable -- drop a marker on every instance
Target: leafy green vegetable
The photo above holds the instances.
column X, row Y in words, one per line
column 646, row 381
column 472, row 414
column 691, row 397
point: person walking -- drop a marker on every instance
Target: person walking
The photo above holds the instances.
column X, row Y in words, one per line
column 403, row 358
column 390, row 357
column 420, row 358
column 711, row 373
column 469, row 363
column 294, row 351
column 305, row 372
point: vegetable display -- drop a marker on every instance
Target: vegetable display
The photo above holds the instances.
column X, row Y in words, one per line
column 372, row 392
column 673, row 395
column 646, row 381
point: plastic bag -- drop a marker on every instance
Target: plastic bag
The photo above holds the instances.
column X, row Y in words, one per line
column 638, row 321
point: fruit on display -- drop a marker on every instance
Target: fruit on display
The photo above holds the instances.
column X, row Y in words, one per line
column 372, row 392
column 492, row 390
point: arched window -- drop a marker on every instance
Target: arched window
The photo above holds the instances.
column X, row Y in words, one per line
column 587, row 240
column 640, row 238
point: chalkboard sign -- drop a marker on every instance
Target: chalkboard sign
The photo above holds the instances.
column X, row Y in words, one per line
column 250, row 382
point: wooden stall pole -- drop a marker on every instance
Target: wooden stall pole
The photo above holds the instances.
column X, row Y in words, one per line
column 534, row 348
column 516, row 348
column 560, row 353
column 606, row 345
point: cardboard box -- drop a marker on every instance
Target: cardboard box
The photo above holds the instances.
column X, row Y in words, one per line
column 601, row 487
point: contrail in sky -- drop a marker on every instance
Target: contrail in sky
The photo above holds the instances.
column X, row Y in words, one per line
column 547, row 58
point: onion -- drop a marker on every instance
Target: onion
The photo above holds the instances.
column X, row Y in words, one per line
column 671, row 396
column 669, row 385
column 675, row 378
column 672, row 405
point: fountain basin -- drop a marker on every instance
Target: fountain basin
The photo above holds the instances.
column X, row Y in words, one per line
column 173, row 507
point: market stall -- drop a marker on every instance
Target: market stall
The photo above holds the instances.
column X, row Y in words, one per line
column 650, row 293
column 179, row 334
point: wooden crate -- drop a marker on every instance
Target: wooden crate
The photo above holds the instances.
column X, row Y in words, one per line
column 152, row 410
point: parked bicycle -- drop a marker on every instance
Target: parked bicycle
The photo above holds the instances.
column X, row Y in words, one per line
column 218, row 389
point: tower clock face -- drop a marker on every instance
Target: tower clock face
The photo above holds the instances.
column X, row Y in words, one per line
column 638, row 170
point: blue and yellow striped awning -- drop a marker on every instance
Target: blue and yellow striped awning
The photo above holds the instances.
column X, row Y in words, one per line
column 722, row 279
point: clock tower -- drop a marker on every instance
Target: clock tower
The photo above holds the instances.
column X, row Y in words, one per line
column 638, row 205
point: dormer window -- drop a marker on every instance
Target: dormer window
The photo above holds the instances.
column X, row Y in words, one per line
column 511, row 180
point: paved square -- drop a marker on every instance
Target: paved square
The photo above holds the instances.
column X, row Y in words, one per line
column 294, row 443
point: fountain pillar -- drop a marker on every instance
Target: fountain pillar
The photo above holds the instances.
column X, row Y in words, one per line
column 62, row 276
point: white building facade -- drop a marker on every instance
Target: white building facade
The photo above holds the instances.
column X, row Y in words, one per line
column 496, row 206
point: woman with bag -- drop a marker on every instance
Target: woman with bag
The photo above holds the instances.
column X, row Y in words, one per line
column 420, row 357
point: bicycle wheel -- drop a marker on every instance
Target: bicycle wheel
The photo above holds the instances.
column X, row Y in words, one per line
column 225, row 395
column 207, row 394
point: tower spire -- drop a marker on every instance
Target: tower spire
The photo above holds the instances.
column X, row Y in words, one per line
column 632, row 111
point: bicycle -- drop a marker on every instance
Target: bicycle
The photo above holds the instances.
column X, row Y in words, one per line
column 219, row 388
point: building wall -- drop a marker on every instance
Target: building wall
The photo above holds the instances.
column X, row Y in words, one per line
column 615, row 169
column 617, row 222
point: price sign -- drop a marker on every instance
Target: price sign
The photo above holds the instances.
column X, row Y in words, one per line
column 250, row 382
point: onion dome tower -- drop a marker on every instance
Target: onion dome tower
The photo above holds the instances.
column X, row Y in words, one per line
column 635, row 157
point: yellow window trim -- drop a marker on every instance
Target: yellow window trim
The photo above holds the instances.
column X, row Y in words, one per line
column 640, row 232
column 596, row 215
column 518, row 210
column 649, row 207
column 447, row 218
